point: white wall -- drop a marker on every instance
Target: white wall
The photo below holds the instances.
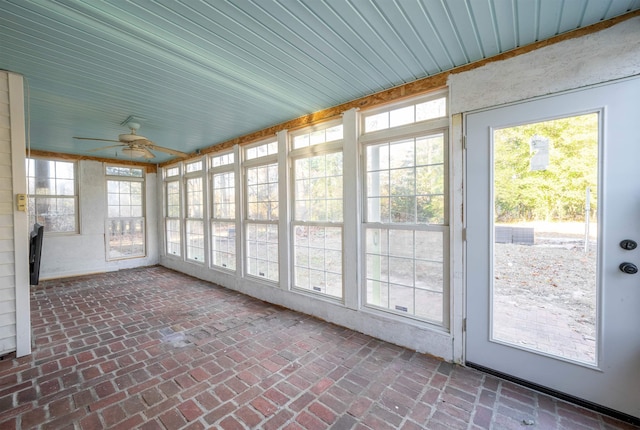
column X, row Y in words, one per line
column 607, row 55
column 604, row 56
column 84, row 253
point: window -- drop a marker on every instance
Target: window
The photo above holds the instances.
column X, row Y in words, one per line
column 194, row 220
column 223, row 212
column 53, row 198
column 261, row 217
column 406, row 230
column 173, row 209
column 125, row 214
column 318, row 210
column 431, row 108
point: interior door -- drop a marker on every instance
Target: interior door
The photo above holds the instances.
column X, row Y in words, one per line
column 553, row 216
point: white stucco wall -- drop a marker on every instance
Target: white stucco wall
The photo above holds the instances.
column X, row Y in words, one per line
column 604, row 56
column 84, row 253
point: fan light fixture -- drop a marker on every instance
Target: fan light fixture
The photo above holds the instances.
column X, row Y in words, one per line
column 134, row 152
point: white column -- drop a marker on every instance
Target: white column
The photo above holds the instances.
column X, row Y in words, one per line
column 20, row 227
column 352, row 195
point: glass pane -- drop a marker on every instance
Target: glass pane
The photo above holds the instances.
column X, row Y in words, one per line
column 376, row 122
column 545, row 250
column 402, row 116
column 223, row 243
column 318, row 259
column 431, row 109
column 262, row 251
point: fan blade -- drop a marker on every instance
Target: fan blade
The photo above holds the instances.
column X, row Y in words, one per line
column 96, row 139
column 148, row 154
column 167, row 150
column 104, row 147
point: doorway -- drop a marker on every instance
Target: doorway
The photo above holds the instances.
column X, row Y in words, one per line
column 553, row 212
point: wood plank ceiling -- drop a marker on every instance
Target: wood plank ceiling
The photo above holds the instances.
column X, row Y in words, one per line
column 197, row 73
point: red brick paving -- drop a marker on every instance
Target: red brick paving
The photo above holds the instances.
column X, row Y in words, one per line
column 151, row 348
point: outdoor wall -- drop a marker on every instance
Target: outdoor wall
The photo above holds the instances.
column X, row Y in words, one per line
column 610, row 54
column 84, row 253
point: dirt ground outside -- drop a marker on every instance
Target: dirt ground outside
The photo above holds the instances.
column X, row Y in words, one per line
column 545, row 293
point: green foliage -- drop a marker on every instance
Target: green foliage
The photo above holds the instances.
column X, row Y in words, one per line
column 557, row 193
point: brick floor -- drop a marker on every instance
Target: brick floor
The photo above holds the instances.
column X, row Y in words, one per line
column 155, row 349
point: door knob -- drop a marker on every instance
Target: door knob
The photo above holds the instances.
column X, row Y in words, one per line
column 629, row 268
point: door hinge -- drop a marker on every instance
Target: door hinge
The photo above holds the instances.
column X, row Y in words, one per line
column 464, row 324
column 464, row 234
column 464, row 141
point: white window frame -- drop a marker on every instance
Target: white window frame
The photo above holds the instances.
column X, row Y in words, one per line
column 109, row 220
column 413, row 130
column 171, row 179
column 331, row 146
column 193, row 218
column 272, row 275
column 232, row 250
column 33, row 196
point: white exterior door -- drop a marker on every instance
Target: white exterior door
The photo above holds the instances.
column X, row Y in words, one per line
column 552, row 192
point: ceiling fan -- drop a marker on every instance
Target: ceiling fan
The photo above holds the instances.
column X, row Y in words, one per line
column 134, row 145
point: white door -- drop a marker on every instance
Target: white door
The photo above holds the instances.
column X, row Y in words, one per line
column 552, row 192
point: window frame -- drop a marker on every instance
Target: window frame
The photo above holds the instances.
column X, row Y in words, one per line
column 269, row 160
column 171, row 179
column 192, row 219
column 218, row 169
column 333, row 146
column 416, row 130
column 35, row 196
column 133, row 179
column 389, row 107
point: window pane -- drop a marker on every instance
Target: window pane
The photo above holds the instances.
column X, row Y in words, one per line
column 173, row 199
column 261, row 150
column 262, row 251
column 194, row 167
column 431, row 109
column 174, row 235
column 401, row 116
column 319, row 198
column 194, row 198
column 405, row 272
column 317, row 137
column 126, row 238
column 223, row 187
column 223, row 245
column 222, row 160
column 195, row 240
column 172, row 171
column 262, row 192
column 318, row 259
column 376, row 122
